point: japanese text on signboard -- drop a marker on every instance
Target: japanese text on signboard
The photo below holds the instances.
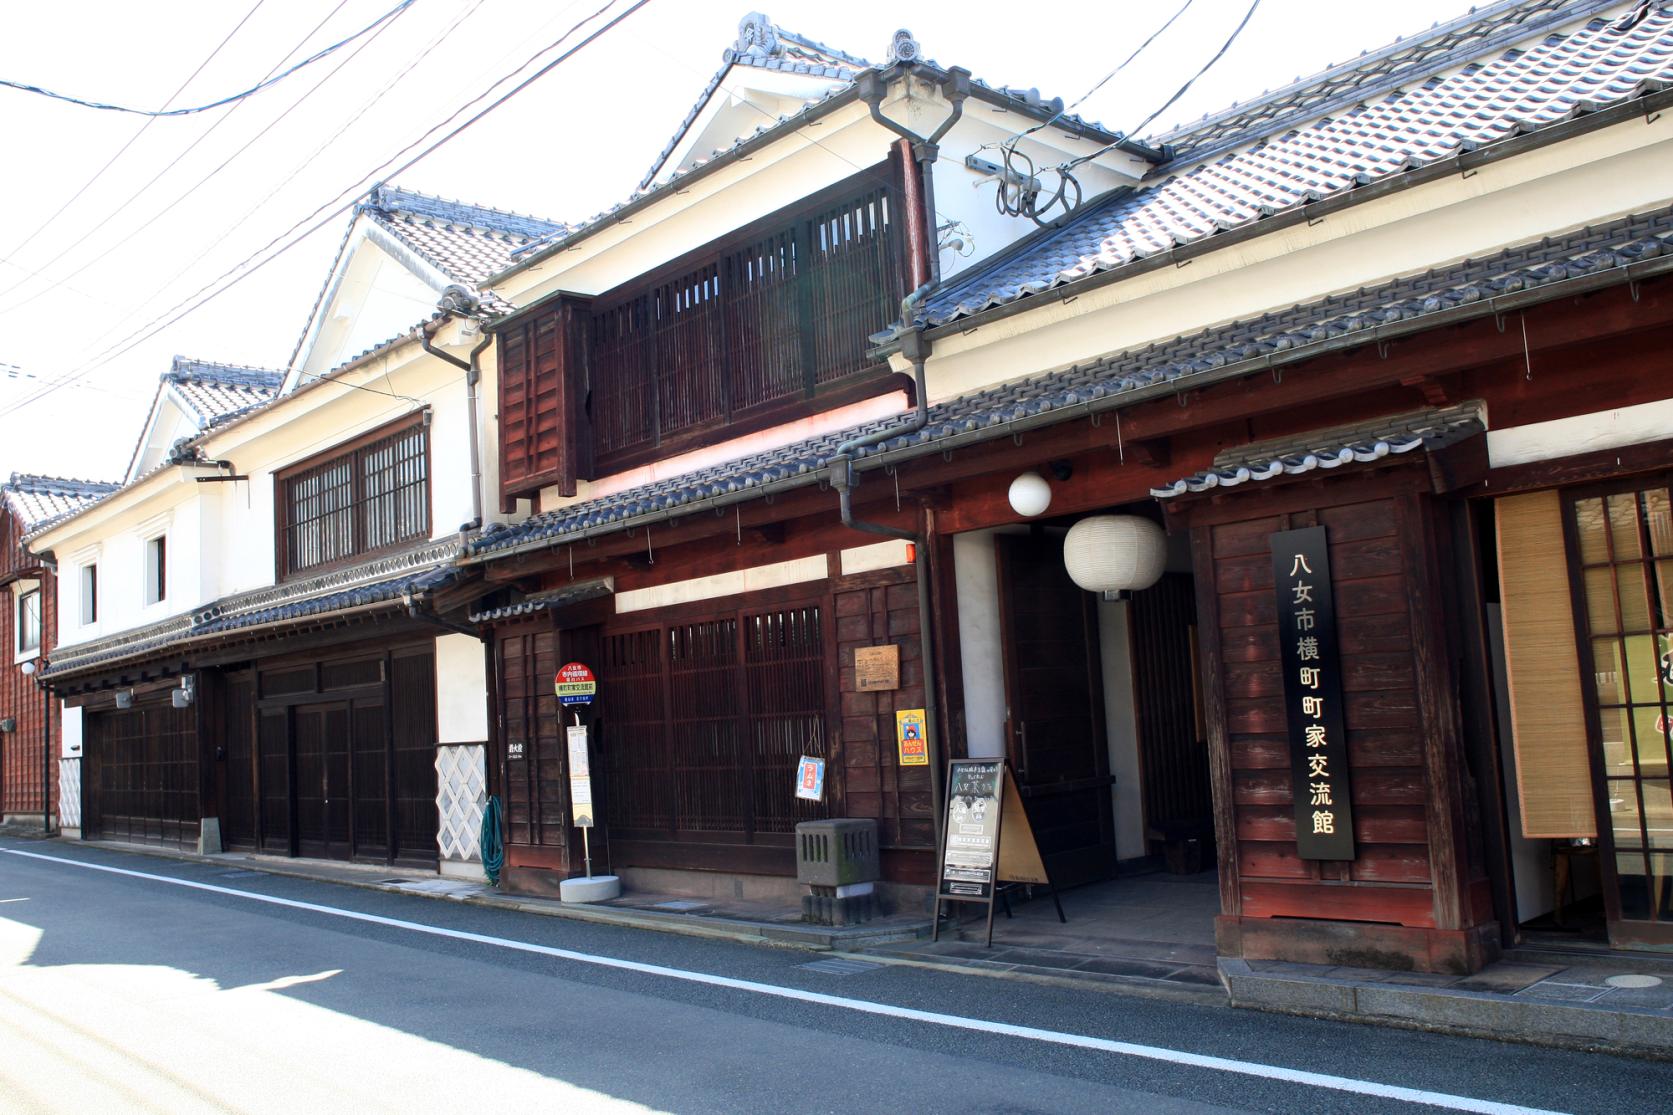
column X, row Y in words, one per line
column 1313, row 694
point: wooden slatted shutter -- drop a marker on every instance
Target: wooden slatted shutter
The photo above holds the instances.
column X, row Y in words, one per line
column 542, row 391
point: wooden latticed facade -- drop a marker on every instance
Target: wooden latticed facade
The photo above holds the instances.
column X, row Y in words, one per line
column 765, row 324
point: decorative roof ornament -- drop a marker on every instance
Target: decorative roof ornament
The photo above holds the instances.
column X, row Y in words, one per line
column 904, row 48
column 757, row 37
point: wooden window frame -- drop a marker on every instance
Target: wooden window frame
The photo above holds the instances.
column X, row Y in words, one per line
column 350, row 450
column 24, row 647
column 89, row 587
column 156, row 571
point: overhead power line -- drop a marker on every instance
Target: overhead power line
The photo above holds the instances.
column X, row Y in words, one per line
column 1183, row 89
column 122, row 208
column 227, row 100
column 248, row 266
column 107, row 249
column 123, row 150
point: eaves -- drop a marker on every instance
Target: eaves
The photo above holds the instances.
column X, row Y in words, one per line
column 1173, row 388
column 1463, row 164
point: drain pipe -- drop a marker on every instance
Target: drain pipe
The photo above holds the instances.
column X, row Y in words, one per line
column 870, row 88
column 843, row 478
column 473, row 376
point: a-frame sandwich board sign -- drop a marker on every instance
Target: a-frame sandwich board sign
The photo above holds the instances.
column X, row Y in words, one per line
column 986, row 839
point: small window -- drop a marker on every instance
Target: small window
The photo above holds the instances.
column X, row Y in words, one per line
column 29, row 621
column 156, row 569
column 89, row 594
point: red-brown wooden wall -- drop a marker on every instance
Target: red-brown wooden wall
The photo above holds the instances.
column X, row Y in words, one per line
column 1411, row 869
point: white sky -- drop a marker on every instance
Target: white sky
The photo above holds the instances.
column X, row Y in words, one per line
column 193, row 196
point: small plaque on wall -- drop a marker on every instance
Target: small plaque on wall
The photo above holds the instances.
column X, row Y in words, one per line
column 877, row 668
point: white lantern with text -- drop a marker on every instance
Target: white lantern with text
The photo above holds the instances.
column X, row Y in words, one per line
column 1115, row 553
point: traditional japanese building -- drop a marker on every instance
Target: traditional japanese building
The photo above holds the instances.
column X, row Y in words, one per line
column 32, row 741
column 1412, row 301
column 267, row 650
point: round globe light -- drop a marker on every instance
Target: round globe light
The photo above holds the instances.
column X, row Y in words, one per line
column 1030, row 495
column 1115, row 553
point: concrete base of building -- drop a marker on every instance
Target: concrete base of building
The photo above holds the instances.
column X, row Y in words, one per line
column 460, row 869
column 26, row 823
column 70, row 832
column 1397, row 948
column 209, row 837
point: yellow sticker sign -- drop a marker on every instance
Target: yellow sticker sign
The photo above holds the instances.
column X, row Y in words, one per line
column 912, row 737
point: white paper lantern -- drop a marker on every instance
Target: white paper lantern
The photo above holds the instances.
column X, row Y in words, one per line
column 1115, row 553
column 1030, row 495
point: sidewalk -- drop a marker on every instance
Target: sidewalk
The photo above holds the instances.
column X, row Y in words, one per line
column 1576, row 999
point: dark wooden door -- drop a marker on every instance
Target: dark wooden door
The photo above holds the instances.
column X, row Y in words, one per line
column 322, row 780
column 1055, row 708
column 1173, row 746
column 370, row 780
column 238, row 764
column 274, row 775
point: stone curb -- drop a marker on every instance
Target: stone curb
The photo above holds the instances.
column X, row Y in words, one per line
column 812, row 938
column 1054, row 977
column 1581, row 1026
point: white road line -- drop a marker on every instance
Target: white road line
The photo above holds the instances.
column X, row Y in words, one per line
column 934, row 1018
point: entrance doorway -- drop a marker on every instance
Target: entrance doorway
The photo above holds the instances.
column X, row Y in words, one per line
column 1054, row 718
column 1095, row 705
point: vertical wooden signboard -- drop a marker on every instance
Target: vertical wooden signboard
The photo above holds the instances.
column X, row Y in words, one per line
column 1313, row 694
column 986, row 840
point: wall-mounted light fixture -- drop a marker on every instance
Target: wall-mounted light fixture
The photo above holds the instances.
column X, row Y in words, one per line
column 1030, row 495
column 8, row 725
column 124, row 698
column 182, row 697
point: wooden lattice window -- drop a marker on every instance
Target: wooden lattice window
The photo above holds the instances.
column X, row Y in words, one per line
column 370, row 495
column 750, row 329
column 708, row 719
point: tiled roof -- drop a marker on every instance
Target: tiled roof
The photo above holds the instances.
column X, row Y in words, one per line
column 548, row 601
column 1361, row 443
column 1478, row 32
column 387, row 580
column 216, row 392
column 1261, row 342
column 467, row 243
column 1443, row 112
column 35, row 500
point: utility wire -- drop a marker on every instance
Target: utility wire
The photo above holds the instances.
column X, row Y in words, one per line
column 87, row 185
column 1011, row 141
column 170, row 165
column 108, row 249
column 227, row 100
column 1225, row 46
column 159, row 323
column 222, row 237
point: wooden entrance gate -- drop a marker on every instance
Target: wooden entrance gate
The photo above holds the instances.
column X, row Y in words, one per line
column 141, row 775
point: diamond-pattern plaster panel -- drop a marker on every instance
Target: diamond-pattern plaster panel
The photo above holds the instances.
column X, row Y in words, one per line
column 461, row 792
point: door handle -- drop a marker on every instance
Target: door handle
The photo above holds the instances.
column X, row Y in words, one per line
column 1022, row 749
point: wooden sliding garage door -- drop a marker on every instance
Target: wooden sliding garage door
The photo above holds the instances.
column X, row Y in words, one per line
column 141, row 780
column 343, row 763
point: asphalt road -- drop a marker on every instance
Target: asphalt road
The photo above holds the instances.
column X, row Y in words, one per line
column 123, row 990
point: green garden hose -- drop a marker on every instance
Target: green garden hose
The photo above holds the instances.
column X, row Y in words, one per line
column 493, row 849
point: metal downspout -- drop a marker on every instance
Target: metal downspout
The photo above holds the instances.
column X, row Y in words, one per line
column 844, row 480
column 473, row 376
column 955, row 87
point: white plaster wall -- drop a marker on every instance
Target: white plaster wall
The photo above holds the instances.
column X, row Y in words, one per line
column 221, row 538
column 376, row 299
column 69, row 721
column 975, row 571
column 461, row 690
column 1121, row 721
column 1581, row 433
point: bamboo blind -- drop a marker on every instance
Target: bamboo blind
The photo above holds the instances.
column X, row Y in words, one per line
column 1548, row 719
